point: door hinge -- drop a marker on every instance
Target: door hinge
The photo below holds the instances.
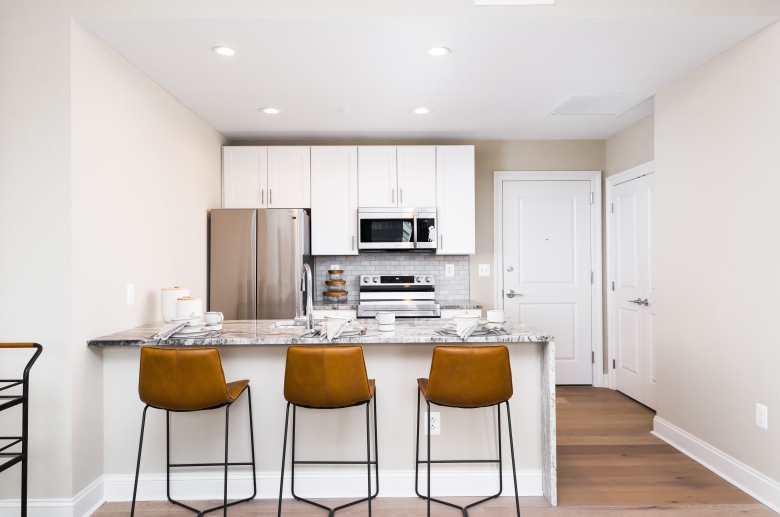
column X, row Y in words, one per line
column 591, row 277
column 591, row 198
column 613, row 364
column 502, row 293
column 613, row 208
column 613, row 285
column 592, row 357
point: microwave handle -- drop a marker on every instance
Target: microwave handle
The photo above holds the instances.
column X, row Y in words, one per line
column 414, row 229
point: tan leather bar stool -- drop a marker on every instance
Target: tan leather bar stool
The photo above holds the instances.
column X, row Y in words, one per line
column 328, row 377
column 179, row 381
column 467, row 377
column 9, row 401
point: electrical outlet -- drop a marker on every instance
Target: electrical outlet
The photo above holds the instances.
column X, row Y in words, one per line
column 449, row 270
column 130, row 294
column 435, row 423
column 484, row 270
column 762, row 416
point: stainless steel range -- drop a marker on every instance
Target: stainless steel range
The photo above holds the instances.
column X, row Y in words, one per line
column 408, row 296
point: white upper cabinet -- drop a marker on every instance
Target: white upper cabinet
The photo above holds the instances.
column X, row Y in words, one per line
column 244, row 177
column 289, row 177
column 377, row 177
column 334, row 200
column 417, row 176
column 455, row 199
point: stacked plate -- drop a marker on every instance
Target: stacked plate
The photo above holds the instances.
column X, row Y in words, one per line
column 483, row 328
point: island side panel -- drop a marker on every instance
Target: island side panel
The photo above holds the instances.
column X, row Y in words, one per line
column 549, row 453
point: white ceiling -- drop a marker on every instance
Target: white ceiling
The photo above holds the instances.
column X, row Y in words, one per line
column 500, row 81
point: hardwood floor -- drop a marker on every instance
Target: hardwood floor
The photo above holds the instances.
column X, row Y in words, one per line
column 608, row 465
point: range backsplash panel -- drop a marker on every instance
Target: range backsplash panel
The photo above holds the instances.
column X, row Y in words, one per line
column 448, row 288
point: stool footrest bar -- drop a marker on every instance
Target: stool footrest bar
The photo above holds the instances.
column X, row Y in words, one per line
column 18, row 440
column 10, row 463
column 11, row 403
column 297, row 462
column 423, row 462
column 247, row 463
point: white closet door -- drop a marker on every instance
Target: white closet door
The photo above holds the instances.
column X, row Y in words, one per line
column 289, row 177
column 244, row 177
column 417, row 176
column 455, row 199
column 377, row 177
column 634, row 310
column 547, row 268
column 334, row 199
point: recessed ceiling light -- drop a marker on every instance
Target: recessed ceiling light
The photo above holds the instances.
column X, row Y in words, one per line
column 438, row 51
column 270, row 111
column 225, row 51
column 421, row 111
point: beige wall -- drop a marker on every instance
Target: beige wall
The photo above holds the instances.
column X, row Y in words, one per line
column 631, row 147
column 491, row 156
column 145, row 172
column 717, row 162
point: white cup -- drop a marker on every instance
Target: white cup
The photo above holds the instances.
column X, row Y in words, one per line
column 496, row 316
column 464, row 320
column 385, row 318
column 213, row 318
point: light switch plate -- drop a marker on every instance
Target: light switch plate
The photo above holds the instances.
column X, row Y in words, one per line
column 449, row 270
column 435, row 423
column 762, row 416
column 484, row 270
column 130, row 294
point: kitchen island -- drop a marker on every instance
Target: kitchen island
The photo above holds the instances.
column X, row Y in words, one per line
column 256, row 350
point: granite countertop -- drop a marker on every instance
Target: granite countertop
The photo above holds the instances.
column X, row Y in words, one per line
column 453, row 304
column 261, row 332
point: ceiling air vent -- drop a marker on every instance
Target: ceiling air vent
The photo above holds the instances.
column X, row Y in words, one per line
column 605, row 104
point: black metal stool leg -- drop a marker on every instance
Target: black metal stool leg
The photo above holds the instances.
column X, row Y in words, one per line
column 168, row 465
column 252, row 441
column 428, row 423
column 368, row 455
column 138, row 463
column 512, row 451
column 284, row 453
column 227, row 434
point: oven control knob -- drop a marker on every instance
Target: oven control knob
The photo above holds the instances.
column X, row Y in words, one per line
column 366, row 280
column 427, row 279
column 418, row 279
column 376, row 279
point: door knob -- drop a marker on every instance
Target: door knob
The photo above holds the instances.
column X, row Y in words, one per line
column 640, row 301
column 510, row 269
column 510, row 294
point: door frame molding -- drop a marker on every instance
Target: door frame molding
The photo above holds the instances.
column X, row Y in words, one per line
column 610, row 183
column 597, row 331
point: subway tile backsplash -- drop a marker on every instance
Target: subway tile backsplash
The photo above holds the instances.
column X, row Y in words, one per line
column 448, row 288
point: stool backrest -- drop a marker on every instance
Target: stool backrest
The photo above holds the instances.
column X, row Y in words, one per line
column 326, row 376
column 182, row 380
column 472, row 376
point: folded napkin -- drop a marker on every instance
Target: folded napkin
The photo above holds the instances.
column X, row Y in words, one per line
column 331, row 329
column 168, row 330
column 469, row 329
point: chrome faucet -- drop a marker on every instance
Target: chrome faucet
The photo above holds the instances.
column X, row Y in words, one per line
column 306, row 275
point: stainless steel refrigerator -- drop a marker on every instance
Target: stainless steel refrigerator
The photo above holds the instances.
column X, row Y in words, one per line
column 255, row 263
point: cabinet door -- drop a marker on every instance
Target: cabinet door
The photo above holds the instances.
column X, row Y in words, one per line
column 417, row 176
column 455, row 199
column 377, row 177
column 244, row 177
column 334, row 200
column 289, row 177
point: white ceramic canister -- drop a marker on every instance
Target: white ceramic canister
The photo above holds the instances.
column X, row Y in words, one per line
column 186, row 306
column 168, row 297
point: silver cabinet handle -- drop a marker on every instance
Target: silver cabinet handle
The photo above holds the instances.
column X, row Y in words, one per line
column 640, row 301
column 401, row 195
column 270, row 196
column 353, row 242
column 441, row 241
column 392, row 195
column 262, row 197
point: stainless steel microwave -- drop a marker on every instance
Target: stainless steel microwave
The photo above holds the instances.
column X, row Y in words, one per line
column 396, row 228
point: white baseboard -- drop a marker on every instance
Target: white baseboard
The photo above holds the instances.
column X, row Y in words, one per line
column 320, row 484
column 734, row 471
column 83, row 505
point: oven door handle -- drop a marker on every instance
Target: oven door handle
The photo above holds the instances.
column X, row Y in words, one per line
column 414, row 228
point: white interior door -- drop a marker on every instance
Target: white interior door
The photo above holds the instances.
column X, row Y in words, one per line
column 633, row 307
column 547, row 267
